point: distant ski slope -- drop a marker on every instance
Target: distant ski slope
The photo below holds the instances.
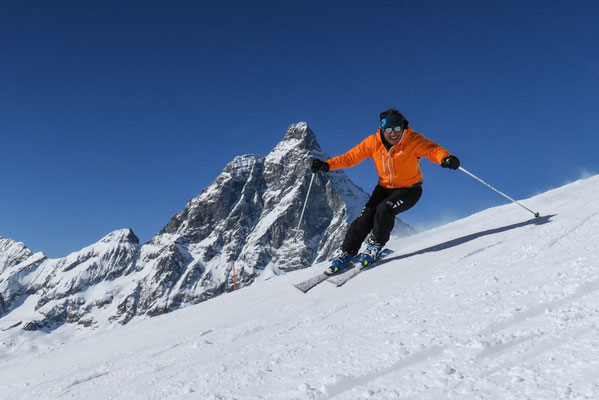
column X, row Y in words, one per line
column 494, row 306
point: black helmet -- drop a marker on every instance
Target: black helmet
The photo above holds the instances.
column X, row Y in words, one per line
column 392, row 118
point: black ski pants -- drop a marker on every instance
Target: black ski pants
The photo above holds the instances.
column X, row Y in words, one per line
column 378, row 216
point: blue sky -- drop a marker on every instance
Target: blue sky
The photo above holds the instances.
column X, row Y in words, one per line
column 114, row 114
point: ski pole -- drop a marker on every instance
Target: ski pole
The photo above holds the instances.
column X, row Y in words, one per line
column 536, row 214
column 305, row 202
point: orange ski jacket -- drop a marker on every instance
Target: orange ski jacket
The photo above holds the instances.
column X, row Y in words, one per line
column 398, row 167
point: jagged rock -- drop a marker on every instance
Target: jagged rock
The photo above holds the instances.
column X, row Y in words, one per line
column 16, row 262
column 12, row 253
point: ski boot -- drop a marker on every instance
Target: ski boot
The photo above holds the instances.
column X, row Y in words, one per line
column 339, row 262
column 371, row 253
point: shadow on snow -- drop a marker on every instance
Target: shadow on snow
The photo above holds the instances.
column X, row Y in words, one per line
column 464, row 239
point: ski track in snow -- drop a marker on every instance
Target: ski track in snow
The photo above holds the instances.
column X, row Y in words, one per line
column 493, row 306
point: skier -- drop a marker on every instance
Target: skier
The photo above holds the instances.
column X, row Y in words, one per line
column 396, row 150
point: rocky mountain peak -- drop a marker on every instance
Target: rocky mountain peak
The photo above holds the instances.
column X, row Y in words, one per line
column 121, row 236
column 300, row 135
column 12, row 253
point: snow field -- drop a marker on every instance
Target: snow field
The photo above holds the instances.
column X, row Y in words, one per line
column 498, row 305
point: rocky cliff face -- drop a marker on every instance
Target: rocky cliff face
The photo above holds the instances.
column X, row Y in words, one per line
column 247, row 216
column 45, row 293
column 15, row 261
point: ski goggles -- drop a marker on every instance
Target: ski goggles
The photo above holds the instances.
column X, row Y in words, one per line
column 396, row 129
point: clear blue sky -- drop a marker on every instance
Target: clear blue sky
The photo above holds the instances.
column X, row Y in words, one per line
column 114, row 114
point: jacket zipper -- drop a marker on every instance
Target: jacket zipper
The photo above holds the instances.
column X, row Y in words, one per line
column 389, row 160
column 388, row 166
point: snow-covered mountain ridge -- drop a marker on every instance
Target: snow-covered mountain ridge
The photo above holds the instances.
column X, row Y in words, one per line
column 498, row 305
column 247, row 216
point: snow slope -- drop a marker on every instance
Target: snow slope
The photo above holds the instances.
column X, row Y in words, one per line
column 494, row 306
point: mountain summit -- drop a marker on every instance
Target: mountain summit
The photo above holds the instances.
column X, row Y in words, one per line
column 247, row 216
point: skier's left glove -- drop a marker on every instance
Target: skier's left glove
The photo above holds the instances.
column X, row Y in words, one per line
column 451, row 162
column 319, row 165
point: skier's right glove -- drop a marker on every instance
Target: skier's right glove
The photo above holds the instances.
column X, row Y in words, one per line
column 319, row 165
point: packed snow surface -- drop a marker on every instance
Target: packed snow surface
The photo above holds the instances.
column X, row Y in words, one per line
column 499, row 305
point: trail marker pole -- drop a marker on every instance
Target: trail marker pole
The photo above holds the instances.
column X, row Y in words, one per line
column 234, row 277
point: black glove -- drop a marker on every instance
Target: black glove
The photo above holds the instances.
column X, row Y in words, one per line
column 319, row 165
column 450, row 162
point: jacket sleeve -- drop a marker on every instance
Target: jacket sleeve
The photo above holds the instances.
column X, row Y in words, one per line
column 431, row 150
column 354, row 156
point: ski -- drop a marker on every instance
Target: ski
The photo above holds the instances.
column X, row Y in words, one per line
column 339, row 280
column 340, row 277
column 311, row 282
column 316, row 279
